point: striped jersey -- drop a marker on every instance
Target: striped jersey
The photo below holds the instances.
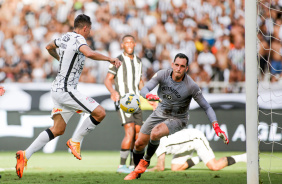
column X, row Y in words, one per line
column 71, row 61
column 128, row 75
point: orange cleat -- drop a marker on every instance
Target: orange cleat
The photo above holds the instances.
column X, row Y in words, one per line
column 141, row 168
column 132, row 176
column 21, row 163
column 75, row 148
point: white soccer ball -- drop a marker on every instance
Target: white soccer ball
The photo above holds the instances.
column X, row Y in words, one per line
column 130, row 103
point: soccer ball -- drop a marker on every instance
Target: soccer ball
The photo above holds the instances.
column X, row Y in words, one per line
column 130, row 103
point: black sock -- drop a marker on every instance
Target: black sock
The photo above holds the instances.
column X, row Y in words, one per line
column 230, row 161
column 190, row 163
column 137, row 156
column 151, row 149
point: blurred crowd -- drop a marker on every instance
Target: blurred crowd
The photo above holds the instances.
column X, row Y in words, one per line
column 210, row 32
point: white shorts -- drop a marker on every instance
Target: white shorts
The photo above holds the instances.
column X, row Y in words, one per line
column 200, row 145
column 68, row 103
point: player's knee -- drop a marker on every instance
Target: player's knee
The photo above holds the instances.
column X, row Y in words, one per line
column 58, row 132
column 139, row 145
column 213, row 167
column 100, row 115
column 155, row 135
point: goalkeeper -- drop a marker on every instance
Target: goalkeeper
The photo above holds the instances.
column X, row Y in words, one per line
column 176, row 90
column 182, row 145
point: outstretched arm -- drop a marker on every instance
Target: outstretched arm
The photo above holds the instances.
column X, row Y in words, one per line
column 51, row 48
column 88, row 52
column 160, row 164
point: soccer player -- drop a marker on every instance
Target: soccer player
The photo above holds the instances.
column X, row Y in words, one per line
column 182, row 144
column 176, row 90
column 127, row 79
column 2, row 90
column 67, row 100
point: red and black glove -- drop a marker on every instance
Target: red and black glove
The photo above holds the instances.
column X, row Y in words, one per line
column 152, row 97
column 220, row 133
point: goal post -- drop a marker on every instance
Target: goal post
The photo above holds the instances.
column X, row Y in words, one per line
column 251, row 91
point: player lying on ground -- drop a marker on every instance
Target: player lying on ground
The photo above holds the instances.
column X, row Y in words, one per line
column 67, row 99
column 182, row 145
column 176, row 90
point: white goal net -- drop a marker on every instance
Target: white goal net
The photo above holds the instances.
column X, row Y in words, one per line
column 269, row 57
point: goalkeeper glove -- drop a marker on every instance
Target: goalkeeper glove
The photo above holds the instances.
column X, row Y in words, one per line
column 152, row 97
column 220, row 133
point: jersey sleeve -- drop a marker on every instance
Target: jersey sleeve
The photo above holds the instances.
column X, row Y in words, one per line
column 80, row 40
column 57, row 42
column 152, row 83
column 199, row 98
column 112, row 69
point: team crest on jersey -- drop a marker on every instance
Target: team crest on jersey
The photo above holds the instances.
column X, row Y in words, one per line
column 91, row 100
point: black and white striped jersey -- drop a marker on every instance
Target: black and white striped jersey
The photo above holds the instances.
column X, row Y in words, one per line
column 71, row 61
column 128, row 75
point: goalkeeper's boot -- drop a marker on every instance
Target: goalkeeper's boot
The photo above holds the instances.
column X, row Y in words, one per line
column 141, row 168
column 21, row 163
column 75, row 148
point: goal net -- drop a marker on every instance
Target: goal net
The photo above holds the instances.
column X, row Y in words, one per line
column 264, row 90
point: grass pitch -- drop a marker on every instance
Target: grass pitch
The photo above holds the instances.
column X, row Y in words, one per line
column 100, row 167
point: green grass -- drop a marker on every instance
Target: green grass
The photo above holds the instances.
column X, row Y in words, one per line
column 100, row 167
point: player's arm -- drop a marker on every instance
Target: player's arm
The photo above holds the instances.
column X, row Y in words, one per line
column 160, row 164
column 51, row 48
column 199, row 98
column 151, row 84
column 88, row 52
column 109, row 85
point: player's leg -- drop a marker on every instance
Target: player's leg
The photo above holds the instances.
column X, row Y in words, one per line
column 216, row 165
column 183, row 163
column 137, row 130
column 43, row 138
column 126, row 144
column 88, row 125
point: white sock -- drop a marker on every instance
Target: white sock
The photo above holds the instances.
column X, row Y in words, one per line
column 86, row 127
column 196, row 160
column 240, row 158
column 38, row 143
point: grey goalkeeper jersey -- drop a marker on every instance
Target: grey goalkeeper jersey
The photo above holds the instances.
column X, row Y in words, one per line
column 176, row 96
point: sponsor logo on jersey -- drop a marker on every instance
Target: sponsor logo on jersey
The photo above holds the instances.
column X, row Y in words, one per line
column 55, row 110
column 170, row 89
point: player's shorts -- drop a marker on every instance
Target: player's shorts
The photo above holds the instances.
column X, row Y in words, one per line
column 174, row 124
column 68, row 103
column 181, row 158
column 130, row 118
column 204, row 151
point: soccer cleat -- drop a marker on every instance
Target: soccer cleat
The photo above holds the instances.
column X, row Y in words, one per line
column 21, row 163
column 123, row 169
column 132, row 176
column 75, row 148
column 141, row 168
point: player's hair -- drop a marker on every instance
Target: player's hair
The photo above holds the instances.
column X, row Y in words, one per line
column 125, row 36
column 181, row 55
column 81, row 21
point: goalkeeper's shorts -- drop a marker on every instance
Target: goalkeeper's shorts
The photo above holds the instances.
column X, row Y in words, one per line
column 68, row 103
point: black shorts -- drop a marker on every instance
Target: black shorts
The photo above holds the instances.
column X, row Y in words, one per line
column 130, row 118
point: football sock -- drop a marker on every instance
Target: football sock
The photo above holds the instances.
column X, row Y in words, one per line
column 137, row 156
column 87, row 126
column 131, row 158
column 42, row 139
column 240, row 158
column 193, row 161
column 151, row 149
column 123, row 156
column 230, row 161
